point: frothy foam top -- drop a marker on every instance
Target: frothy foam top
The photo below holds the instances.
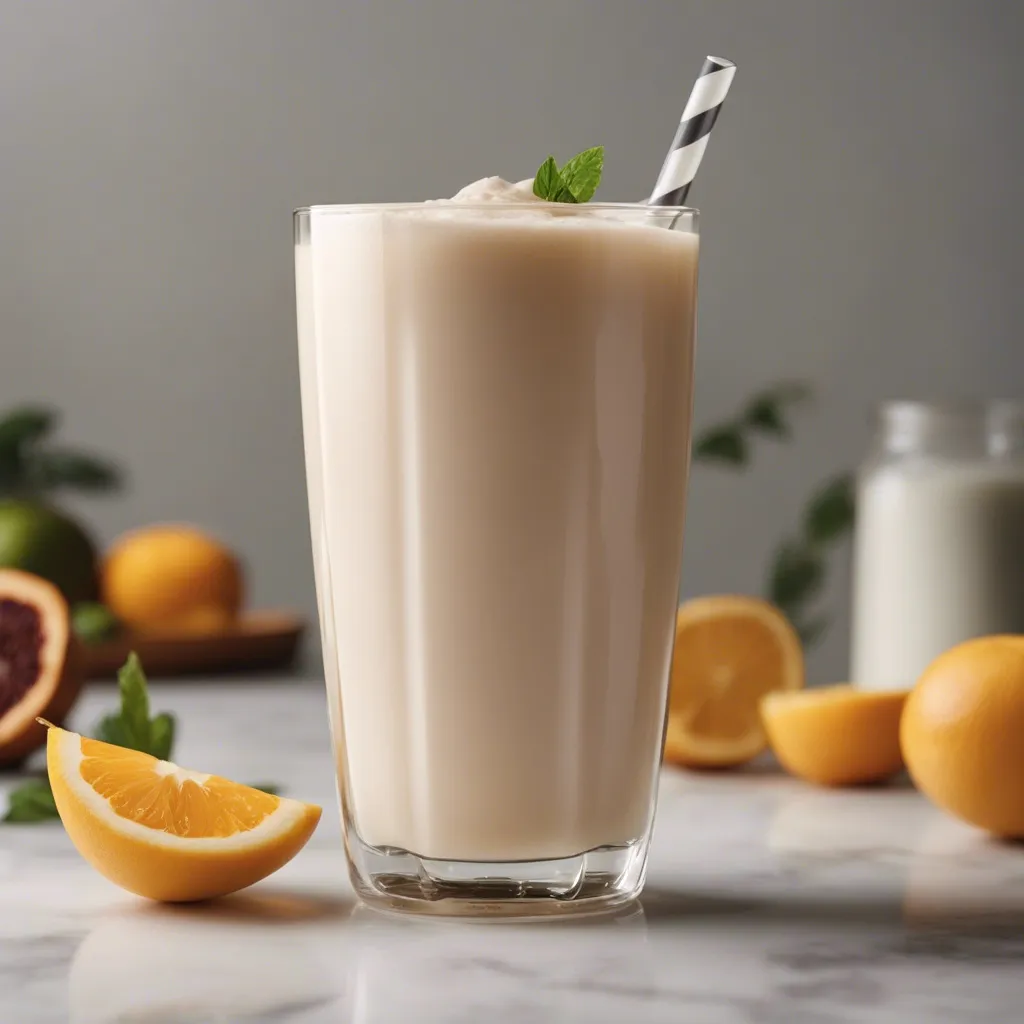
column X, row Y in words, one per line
column 496, row 190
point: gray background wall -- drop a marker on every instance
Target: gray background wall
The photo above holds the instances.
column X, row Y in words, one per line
column 863, row 224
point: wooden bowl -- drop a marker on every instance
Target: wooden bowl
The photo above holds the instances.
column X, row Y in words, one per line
column 259, row 640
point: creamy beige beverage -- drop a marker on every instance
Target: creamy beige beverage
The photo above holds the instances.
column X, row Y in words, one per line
column 497, row 410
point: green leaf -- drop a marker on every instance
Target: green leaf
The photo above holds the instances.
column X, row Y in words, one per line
column 31, row 802
column 110, row 729
column 11, row 472
column 766, row 411
column 25, row 426
column 132, row 726
column 582, row 174
column 61, row 468
column 765, row 414
column 161, row 736
column 266, row 787
column 547, row 182
column 831, row 512
column 722, row 444
column 94, row 622
column 796, row 575
column 134, row 703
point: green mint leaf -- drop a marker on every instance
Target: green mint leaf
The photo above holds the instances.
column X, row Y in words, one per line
column 161, row 736
column 31, row 802
column 93, row 622
column 270, row 788
column 582, row 174
column 24, row 426
column 110, row 729
column 831, row 512
column 134, row 704
column 132, row 726
column 722, row 444
column 547, row 182
column 796, row 575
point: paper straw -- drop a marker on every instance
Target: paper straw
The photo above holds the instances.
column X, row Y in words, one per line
column 694, row 130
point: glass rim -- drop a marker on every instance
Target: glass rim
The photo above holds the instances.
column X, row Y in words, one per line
column 458, row 206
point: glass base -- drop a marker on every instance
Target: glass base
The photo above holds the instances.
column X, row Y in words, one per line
column 597, row 881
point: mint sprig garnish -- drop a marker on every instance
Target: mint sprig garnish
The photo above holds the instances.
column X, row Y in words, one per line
column 548, row 183
column 575, row 182
column 131, row 727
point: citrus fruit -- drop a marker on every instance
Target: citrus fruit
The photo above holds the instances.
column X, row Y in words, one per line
column 836, row 735
column 173, row 579
column 962, row 732
column 40, row 667
column 166, row 833
column 730, row 651
column 40, row 540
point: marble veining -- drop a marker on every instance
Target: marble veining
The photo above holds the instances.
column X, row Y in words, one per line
column 767, row 903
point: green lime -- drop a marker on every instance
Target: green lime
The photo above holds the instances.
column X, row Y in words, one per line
column 40, row 540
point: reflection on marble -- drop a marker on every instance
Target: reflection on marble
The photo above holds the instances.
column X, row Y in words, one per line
column 767, row 902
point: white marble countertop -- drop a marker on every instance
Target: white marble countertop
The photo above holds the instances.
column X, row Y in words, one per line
column 767, row 902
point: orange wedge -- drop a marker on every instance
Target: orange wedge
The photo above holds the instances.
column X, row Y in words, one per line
column 836, row 735
column 164, row 832
column 730, row 651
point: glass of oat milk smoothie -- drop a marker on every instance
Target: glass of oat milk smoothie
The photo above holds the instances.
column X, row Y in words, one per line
column 939, row 545
column 496, row 398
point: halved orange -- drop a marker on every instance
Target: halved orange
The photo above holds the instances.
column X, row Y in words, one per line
column 730, row 651
column 164, row 832
column 836, row 735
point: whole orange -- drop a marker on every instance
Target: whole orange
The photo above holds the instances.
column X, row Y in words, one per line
column 962, row 733
column 172, row 578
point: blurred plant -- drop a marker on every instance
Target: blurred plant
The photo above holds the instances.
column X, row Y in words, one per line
column 797, row 573
column 766, row 413
column 30, row 467
column 35, row 535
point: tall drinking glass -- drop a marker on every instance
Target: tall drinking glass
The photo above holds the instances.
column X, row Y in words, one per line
column 496, row 406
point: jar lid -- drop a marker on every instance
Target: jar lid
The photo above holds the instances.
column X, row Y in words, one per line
column 954, row 426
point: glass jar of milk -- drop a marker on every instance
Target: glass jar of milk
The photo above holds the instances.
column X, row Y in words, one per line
column 939, row 547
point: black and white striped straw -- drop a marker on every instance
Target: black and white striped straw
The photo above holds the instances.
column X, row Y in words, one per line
column 694, row 130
